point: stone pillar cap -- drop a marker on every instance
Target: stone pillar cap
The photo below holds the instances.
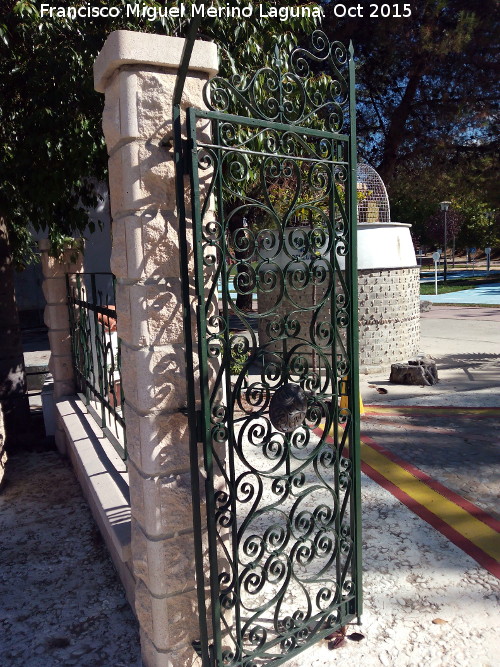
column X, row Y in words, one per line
column 126, row 47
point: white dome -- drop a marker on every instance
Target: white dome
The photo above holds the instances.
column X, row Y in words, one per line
column 373, row 202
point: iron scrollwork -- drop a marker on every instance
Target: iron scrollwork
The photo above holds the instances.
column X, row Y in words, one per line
column 274, row 346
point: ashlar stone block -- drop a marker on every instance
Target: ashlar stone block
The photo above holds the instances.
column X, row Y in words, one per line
column 151, row 314
column 53, row 267
column 158, row 443
column 154, row 380
column 119, row 119
column 167, row 566
column 56, row 317
column 61, row 367
column 167, row 621
column 63, row 388
column 55, row 290
column 161, row 505
column 147, row 246
column 141, row 177
column 182, row 656
column 60, row 342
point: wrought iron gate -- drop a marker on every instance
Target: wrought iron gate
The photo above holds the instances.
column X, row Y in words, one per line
column 273, row 189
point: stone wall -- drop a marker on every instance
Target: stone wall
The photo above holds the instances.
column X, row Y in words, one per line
column 389, row 317
column 56, row 317
column 138, row 73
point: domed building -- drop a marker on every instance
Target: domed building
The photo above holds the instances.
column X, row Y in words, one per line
column 388, row 280
column 388, row 283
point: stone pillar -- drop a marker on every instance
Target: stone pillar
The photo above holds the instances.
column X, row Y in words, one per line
column 137, row 73
column 56, row 317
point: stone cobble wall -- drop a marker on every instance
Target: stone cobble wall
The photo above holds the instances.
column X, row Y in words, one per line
column 389, row 317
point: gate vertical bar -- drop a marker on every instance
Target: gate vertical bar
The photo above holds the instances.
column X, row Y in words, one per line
column 191, row 401
column 204, row 386
column 224, row 277
column 354, row 444
column 180, row 169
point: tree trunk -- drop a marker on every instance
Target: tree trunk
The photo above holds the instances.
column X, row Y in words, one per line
column 396, row 130
column 13, row 396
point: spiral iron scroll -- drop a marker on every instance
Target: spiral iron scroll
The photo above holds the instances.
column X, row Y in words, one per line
column 289, row 91
column 281, row 495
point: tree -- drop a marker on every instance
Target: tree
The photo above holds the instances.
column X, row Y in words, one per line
column 427, row 91
column 436, row 227
column 51, row 146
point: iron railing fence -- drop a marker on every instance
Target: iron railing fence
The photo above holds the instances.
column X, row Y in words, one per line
column 95, row 348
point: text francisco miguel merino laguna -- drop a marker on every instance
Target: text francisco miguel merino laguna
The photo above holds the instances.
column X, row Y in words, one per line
column 179, row 10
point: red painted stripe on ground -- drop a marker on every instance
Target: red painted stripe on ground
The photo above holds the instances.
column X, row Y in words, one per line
column 484, row 559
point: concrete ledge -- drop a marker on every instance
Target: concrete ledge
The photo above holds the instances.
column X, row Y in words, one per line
column 126, row 47
column 103, row 477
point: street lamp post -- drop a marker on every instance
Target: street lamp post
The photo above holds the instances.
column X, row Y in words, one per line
column 489, row 216
column 445, row 205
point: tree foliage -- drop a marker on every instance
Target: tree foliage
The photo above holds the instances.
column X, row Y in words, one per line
column 427, row 90
column 435, row 225
column 51, row 146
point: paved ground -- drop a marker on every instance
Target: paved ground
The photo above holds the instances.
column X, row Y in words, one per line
column 466, row 344
column 484, row 295
column 61, row 602
column 427, row 602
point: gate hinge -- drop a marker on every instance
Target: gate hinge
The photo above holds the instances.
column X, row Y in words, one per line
column 198, row 423
column 186, row 144
column 186, row 158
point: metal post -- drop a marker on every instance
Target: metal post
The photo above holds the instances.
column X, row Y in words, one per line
column 445, row 274
column 444, row 207
column 354, row 396
column 185, row 283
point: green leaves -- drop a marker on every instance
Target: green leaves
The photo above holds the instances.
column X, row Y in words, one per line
column 51, row 146
column 25, row 8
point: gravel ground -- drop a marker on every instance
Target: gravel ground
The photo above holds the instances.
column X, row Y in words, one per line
column 61, row 602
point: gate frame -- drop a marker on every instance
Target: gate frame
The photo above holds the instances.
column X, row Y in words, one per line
column 185, row 157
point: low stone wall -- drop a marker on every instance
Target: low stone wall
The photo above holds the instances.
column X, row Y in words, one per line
column 389, row 317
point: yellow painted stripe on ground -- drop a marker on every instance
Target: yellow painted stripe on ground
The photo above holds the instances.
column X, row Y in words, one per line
column 459, row 519
column 422, row 409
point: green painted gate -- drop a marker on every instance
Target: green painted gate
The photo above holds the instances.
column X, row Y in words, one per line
column 273, row 387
